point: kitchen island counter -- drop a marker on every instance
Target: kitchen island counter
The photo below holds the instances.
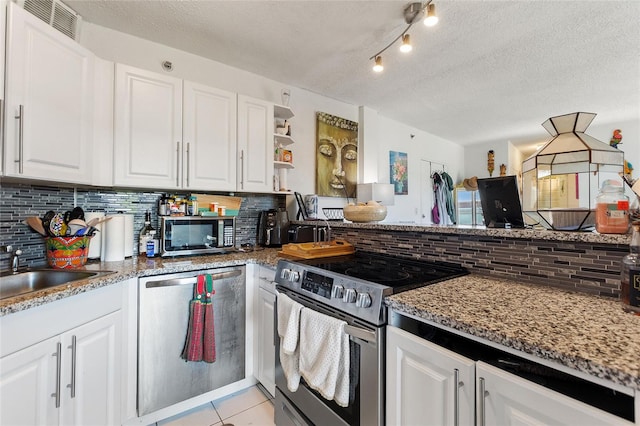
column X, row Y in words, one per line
column 133, row 268
column 586, row 333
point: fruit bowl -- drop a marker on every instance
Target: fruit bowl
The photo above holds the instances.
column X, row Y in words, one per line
column 370, row 212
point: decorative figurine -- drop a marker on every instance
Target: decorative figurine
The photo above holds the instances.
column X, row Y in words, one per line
column 503, row 170
column 616, row 138
column 491, row 162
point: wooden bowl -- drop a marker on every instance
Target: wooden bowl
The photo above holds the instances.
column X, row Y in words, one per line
column 367, row 213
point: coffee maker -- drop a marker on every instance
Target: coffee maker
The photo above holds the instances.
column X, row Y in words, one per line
column 273, row 228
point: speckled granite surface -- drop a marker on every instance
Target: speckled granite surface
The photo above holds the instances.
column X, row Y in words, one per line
column 131, row 268
column 587, row 333
column 527, row 234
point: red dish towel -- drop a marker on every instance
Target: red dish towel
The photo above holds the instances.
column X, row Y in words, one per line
column 209, row 354
column 192, row 350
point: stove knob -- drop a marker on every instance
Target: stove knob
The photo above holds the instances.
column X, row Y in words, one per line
column 337, row 292
column 363, row 300
column 294, row 276
column 349, row 295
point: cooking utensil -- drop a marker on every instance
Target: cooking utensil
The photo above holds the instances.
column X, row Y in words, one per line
column 36, row 224
column 98, row 220
column 46, row 222
column 57, row 226
column 76, row 213
column 76, row 225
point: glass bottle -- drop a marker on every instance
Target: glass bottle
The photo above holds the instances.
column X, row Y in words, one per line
column 612, row 209
column 630, row 280
column 145, row 234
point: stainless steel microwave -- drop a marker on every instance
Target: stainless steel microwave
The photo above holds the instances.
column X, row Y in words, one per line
column 182, row 235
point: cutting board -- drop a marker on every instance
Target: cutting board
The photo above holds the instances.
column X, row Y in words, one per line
column 316, row 250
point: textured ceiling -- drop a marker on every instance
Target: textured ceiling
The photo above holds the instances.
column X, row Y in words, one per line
column 490, row 70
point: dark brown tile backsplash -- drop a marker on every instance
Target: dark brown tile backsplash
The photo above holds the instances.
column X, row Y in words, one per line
column 584, row 267
column 22, row 200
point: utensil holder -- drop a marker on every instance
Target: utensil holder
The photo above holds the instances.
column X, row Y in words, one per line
column 67, row 252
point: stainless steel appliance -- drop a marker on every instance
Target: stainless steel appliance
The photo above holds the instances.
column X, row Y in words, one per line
column 164, row 378
column 273, row 228
column 181, row 235
column 351, row 288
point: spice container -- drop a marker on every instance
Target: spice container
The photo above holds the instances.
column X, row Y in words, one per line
column 630, row 280
column 612, row 209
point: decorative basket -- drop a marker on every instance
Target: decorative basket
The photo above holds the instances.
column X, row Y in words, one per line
column 333, row 213
column 67, row 252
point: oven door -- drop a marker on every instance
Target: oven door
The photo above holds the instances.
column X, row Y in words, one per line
column 366, row 404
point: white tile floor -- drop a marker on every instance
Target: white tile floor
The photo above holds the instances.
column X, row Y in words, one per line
column 247, row 407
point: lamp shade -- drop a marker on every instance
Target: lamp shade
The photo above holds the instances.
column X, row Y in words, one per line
column 383, row 193
column 562, row 179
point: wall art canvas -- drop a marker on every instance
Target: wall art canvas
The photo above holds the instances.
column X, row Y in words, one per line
column 398, row 172
column 336, row 156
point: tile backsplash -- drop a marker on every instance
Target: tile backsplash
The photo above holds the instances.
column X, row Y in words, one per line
column 22, row 200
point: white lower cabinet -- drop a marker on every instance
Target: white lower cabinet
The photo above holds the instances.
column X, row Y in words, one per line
column 264, row 359
column 72, row 377
column 512, row 400
column 427, row 384
column 422, row 390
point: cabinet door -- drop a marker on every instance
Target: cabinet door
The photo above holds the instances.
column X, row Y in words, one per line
column 255, row 145
column 49, row 104
column 91, row 373
column 28, row 385
column 3, row 19
column 209, row 136
column 148, row 129
column 266, row 350
column 421, row 385
column 512, row 400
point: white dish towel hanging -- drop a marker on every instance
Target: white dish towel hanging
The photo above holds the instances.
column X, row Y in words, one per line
column 289, row 330
column 324, row 355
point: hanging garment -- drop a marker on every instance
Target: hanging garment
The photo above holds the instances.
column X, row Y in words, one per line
column 192, row 350
column 448, row 193
column 435, row 211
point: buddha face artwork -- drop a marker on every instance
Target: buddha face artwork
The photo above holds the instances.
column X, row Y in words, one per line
column 336, row 156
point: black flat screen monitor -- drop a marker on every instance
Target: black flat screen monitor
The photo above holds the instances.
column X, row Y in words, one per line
column 501, row 202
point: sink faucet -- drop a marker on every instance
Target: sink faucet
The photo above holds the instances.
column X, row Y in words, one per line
column 15, row 261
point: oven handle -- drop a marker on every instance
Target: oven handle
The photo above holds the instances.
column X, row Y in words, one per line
column 360, row 333
column 190, row 280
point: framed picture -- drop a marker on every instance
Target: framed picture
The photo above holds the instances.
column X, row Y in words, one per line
column 336, row 156
column 398, row 172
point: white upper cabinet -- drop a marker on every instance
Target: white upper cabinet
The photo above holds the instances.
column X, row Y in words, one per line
column 49, row 103
column 148, row 129
column 173, row 134
column 255, row 145
column 3, row 18
column 209, row 137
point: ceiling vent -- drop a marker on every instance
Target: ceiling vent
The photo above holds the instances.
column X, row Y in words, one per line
column 56, row 14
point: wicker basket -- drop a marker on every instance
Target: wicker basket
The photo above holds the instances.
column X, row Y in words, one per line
column 333, row 213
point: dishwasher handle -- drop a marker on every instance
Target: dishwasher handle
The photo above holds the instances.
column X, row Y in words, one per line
column 172, row 282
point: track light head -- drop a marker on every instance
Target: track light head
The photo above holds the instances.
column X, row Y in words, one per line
column 377, row 67
column 406, row 47
column 431, row 18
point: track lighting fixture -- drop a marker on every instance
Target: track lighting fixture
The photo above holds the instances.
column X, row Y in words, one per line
column 406, row 47
column 377, row 67
column 413, row 12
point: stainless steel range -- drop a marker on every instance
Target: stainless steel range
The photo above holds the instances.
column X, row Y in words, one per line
column 351, row 288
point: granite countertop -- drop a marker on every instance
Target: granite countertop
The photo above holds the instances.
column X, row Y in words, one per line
column 526, row 234
column 587, row 333
column 133, row 268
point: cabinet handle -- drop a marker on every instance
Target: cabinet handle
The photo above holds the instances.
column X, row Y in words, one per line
column 177, row 163
column 58, row 355
column 73, row 367
column 20, row 118
column 481, row 396
column 242, row 168
column 188, row 164
column 456, row 396
column 191, row 280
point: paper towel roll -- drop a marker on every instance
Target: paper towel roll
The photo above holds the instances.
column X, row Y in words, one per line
column 128, row 235
column 96, row 242
column 113, row 239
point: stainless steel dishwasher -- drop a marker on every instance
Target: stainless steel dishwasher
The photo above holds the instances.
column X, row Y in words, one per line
column 164, row 378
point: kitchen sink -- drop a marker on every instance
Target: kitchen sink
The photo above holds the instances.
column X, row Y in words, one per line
column 15, row 283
